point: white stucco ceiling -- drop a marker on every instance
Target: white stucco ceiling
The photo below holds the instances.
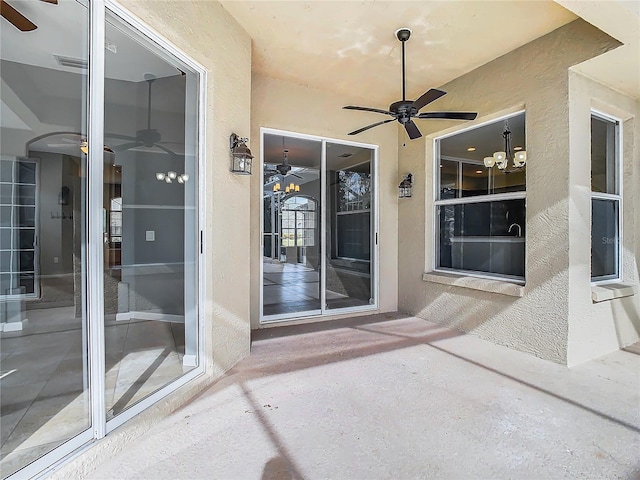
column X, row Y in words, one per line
column 126, row 58
column 619, row 68
column 349, row 47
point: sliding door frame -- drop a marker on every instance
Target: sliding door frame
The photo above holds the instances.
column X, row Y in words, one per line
column 168, row 50
column 92, row 247
column 324, row 312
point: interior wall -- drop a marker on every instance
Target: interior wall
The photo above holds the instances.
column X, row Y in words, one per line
column 535, row 78
column 599, row 328
column 296, row 108
column 213, row 38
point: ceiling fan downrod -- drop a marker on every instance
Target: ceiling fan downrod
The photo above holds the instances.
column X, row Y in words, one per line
column 403, row 35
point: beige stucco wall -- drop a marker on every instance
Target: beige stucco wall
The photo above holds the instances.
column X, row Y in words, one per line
column 210, row 36
column 599, row 328
column 296, row 108
column 533, row 77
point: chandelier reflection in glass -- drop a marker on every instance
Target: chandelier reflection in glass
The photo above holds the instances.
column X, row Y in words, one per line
column 170, row 176
column 501, row 159
column 291, row 188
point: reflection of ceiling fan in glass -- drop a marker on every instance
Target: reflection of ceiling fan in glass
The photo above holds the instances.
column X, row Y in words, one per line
column 149, row 137
column 15, row 18
column 283, row 169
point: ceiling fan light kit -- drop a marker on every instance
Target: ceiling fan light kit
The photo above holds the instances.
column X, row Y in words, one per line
column 404, row 111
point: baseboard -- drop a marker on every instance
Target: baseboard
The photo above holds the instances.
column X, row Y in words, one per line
column 190, row 361
column 161, row 317
column 13, row 326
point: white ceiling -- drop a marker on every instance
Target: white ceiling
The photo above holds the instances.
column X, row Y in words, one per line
column 125, row 59
column 619, row 68
column 349, row 47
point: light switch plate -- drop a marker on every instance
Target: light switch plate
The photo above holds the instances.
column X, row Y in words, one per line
column 151, row 236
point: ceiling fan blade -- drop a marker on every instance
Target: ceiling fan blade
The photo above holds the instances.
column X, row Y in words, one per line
column 449, row 115
column 14, row 17
column 55, row 2
column 168, row 150
column 294, row 175
column 126, row 146
column 367, row 109
column 119, row 136
column 360, row 130
column 429, row 96
column 412, row 130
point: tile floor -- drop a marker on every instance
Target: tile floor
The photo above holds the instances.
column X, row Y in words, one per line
column 289, row 288
column 43, row 389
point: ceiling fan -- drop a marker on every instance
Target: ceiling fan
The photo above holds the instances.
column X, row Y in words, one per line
column 404, row 111
column 15, row 18
column 282, row 169
column 148, row 137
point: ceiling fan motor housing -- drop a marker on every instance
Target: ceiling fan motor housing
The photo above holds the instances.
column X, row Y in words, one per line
column 404, row 110
column 148, row 136
column 283, row 168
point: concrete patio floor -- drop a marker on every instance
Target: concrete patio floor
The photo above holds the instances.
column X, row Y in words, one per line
column 391, row 396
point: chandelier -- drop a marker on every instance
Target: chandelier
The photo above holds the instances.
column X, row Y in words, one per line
column 170, row 176
column 501, row 159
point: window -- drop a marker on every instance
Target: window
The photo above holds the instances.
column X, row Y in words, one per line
column 479, row 210
column 606, row 199
column 353, row 214
column 298, row 222
column 18, row 228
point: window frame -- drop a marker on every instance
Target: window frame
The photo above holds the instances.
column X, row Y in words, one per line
column 616, row 197
column 17, row 227
column 340, row 213
column 495, row 197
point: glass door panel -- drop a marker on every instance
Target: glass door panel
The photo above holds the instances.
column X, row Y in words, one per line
column 44, row 385
column 350, row 227
column 291, row 226
column 150, row 219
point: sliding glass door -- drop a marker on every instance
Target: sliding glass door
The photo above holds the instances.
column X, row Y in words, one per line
column 291, row 226
column 99, row 227
column 349, row 225
column 45, row 395
column 150, row 229
column 318, row 226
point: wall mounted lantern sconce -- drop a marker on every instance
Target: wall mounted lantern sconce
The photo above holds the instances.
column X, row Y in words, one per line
column 170, row 176
column 406, row 186
column 241, row 158
column 501, row 159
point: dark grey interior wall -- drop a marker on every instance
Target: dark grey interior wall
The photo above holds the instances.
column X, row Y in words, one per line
column 153, row 211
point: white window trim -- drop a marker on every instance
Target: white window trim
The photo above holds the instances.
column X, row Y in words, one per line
column 619, row 168
column 494, row 197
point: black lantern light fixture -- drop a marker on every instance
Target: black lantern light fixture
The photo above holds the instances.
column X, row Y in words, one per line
column 241, row 158
column 406, row 186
